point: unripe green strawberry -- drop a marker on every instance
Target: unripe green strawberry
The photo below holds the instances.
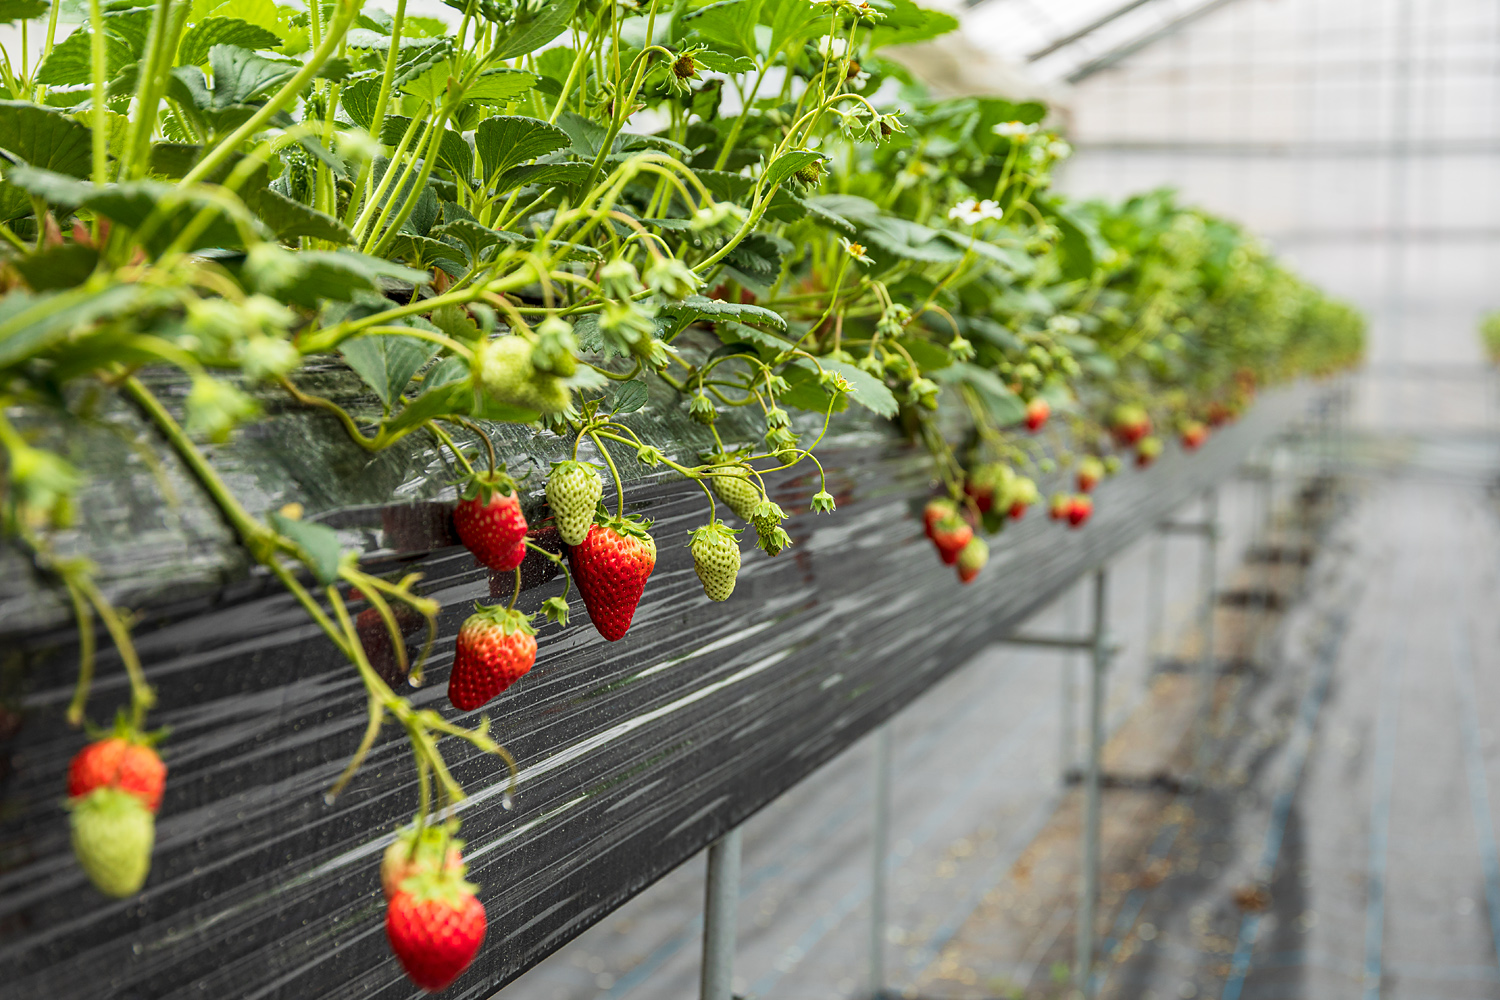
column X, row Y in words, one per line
column 573, row 490
column 734, row 486
column 503, row 371
column 716, row 557
column 113, row 833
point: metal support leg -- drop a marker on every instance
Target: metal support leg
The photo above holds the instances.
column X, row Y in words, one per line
column 1068, row 730
column 881, row 845
column 1207, row 663
column 1156, row 598
column 721, row 904
column 1084, row 958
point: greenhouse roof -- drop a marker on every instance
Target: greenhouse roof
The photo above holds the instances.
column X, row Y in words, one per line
column 1072, row 39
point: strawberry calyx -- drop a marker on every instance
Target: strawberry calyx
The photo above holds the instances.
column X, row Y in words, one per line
column 483, row 486
column 629, row 526
column 125, row 729
column 442, row 886
column 713, row 531
column 509, row 620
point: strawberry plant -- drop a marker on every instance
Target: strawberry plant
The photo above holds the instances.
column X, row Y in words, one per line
column 548, row 214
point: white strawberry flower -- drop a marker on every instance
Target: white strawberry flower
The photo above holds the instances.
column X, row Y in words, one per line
column 1014, row 130
column 972, row 212
column 855, row 250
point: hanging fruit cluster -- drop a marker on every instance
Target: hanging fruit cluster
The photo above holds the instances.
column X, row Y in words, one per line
column 468, row 220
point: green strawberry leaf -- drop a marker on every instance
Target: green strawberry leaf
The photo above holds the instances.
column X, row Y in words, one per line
column 504, row 141
column 45, row 138
column 22, row 10
column 869, row 391
column 213, row 31
column 387, row 362
column 319, row 545
column 629, row 396
column 697, row 306
column 533, row 26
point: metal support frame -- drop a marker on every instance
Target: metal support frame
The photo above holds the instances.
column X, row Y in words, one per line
column 880, row 844
column 720, row 908
column 1102, row 649
column 1156, row 598
column 1207, row 662
column 1083, row 961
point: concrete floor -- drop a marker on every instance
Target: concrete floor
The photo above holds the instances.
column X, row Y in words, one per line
column 1344, row 844
column 976, row 778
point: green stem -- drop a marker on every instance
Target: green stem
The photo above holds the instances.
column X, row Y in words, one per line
column 97, row 73
column 619, row 486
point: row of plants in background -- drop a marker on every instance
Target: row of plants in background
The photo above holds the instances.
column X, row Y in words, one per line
column 526, row 213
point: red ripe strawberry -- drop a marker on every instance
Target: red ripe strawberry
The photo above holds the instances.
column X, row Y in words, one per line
column 611, row 566
column 1079, row 509
column 490, row 523
column 495, row 647
column 118, row 762
column 435, row 926
column 937, row 510
column 950, row 535
column 1194, row 434
column 1037, row 412
column 1058, row 507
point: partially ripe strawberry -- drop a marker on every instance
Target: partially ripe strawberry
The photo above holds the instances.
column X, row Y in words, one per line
column 1194, row 433
column 118, row 762
column 716, row 559
column 490, row 523
column 1090, row 471
column 1129, row 423
column 1147, row 451
column 950, row 535
column 937, row 509
column 1059, row 505
column 435, row 926
column 418, row 854
column 573, row 492
column 1079, row 509
column 113, row 833
column 495, row 648
column 611, row 567
column 989, row 485
column 972, row 559
column 1023, row 493
column 1037, row 412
